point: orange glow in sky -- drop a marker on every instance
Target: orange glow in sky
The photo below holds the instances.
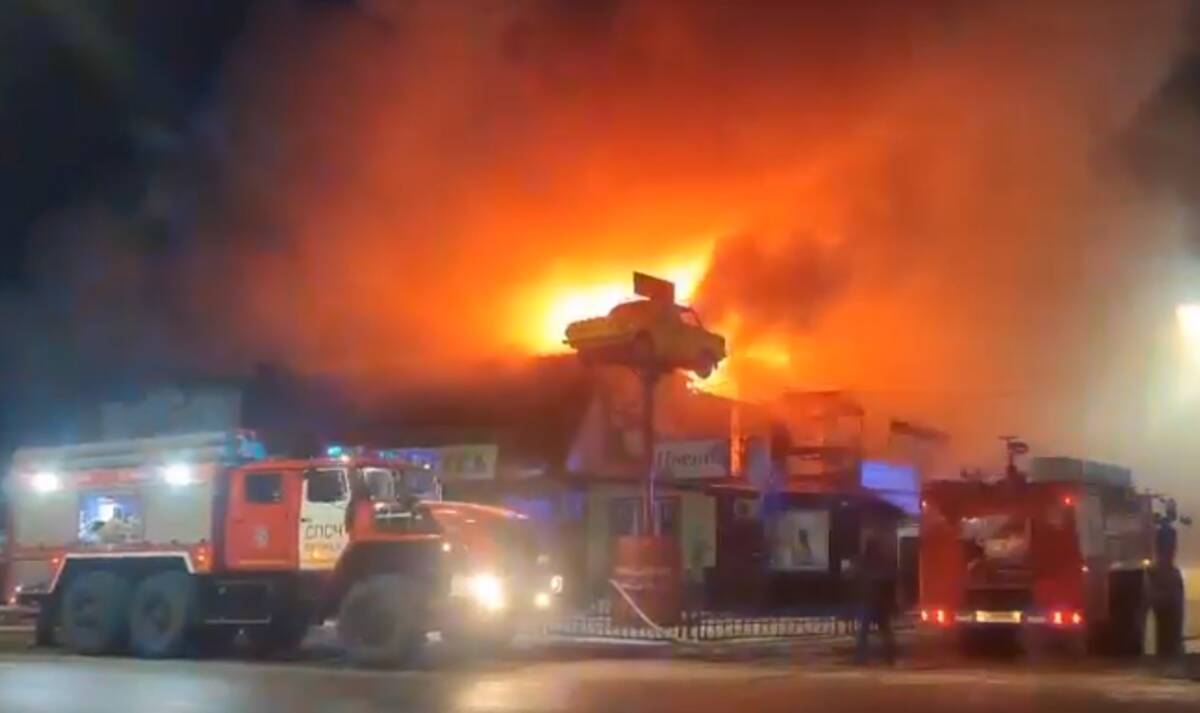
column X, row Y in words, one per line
column 561, row 303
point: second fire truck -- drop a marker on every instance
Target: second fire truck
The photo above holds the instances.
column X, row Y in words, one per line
column 1065, row 554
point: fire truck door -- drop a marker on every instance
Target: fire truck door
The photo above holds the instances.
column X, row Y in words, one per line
column 260, row 526
column 326, row 496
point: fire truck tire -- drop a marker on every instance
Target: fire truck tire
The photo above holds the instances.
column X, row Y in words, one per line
column 95, row 611
column 163, row 615
column 380, row 621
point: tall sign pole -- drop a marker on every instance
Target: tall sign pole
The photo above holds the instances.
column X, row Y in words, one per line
column 650, row 370
column 650, row 376
column 645, row 561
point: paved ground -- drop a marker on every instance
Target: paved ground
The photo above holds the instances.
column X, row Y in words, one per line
column 741, row 679
column 38, row 683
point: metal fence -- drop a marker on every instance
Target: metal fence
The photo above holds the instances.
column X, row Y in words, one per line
column 705, row 625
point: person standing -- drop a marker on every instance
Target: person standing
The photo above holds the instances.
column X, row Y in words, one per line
column 1166, row 589
column 876, row 574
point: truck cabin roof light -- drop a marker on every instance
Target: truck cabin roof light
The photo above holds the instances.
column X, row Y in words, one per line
column 1076, row 618
column 46, row 482
column 1068, row 500
column 940, row 616
column 177, row 475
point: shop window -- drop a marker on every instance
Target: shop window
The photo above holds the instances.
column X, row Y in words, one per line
column 625, row 516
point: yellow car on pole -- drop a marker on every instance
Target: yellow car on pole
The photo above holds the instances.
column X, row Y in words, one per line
column 645, row 332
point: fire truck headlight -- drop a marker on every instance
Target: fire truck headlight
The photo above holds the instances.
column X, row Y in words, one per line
column 488, row 592
column 46, row 482
column 177, row 474
column 541, row 600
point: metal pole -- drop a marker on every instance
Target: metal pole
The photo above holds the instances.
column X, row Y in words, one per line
column 650, row 377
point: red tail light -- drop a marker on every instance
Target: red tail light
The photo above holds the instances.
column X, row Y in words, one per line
column 1066, row 618
column 941, row 617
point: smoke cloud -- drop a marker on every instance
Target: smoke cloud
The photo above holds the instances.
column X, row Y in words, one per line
column 922, row 202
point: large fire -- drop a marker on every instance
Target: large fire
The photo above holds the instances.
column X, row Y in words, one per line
column 901, row 199
column 555, row 305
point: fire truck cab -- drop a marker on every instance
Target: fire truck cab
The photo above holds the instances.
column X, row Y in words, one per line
column 1061, row 555
column 179, row 544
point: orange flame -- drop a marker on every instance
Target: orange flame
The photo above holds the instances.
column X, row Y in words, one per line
column 558, row 302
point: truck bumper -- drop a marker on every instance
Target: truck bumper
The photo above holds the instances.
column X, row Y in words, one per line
column 1061, row 619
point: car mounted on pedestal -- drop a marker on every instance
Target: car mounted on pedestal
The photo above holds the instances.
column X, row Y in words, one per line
column 649, row 331
column 177, row 545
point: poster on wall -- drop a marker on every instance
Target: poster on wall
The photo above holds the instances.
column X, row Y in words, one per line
column 800, row 541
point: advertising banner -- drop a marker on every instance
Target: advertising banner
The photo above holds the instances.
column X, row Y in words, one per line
column 692, row 460
column 800, row 541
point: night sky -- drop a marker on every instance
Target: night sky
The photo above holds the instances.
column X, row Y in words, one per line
column 78, row 83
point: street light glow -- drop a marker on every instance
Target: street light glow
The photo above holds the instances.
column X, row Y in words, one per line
column 1188, row 318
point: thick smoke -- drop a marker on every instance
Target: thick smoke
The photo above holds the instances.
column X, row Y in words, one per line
column 919, row 201
column 923, row 202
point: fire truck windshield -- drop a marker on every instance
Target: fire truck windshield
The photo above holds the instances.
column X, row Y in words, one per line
column 381, row 484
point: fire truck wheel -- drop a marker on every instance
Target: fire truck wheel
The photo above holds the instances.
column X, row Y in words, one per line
column 379, row 621
column 163, row 615
column 94, row 613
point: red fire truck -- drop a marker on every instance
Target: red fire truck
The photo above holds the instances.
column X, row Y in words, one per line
column 171, row 545
column 1062, row 554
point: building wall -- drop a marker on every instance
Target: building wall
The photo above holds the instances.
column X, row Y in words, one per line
column 599, row 539
column 697, row 531
column 698, row 534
